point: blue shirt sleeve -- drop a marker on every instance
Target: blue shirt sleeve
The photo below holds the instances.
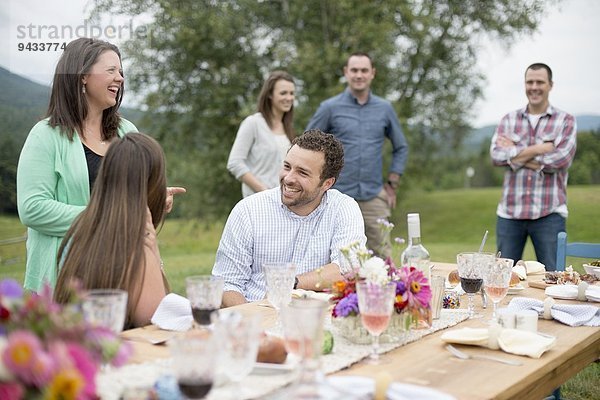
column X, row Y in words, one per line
column 399, row 144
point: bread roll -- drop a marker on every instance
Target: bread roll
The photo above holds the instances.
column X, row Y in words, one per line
column 271, row 350
column 453, row 277
column 514, row 279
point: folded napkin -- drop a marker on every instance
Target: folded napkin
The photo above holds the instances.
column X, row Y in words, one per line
column 301, row 293
column 524, row 268
column 514, row 341
column 569, row 314
column 174, row 313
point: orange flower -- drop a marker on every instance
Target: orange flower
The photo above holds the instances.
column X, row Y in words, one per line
column 66, row 385
column 339, row 286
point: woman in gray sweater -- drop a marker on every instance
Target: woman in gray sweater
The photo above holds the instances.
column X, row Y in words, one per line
column 264, row 138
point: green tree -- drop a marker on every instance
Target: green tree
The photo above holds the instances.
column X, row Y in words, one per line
column 585, row 169
column 203, row 61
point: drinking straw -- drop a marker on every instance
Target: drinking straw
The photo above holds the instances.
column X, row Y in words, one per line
column 483, row 241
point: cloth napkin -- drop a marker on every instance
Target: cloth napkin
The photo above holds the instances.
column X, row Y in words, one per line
column 524, row 268
column 301, row 293
column 569, row 314
column 514, row 341
column 174, row 313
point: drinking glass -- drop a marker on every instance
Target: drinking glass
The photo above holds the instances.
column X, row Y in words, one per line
column 376, row 303
column 239, row 337
column 205, row 293
column 105, row 307
column 194, row 363
column 280, row 283
column 303, row 321
column 496, row 278
column 470, row 270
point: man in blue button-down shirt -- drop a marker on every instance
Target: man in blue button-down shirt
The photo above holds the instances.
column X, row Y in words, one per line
column 362, row 121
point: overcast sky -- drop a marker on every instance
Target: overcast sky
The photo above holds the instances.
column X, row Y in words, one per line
column 568, row 41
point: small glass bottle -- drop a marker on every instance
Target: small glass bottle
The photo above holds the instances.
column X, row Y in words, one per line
column 415, row 254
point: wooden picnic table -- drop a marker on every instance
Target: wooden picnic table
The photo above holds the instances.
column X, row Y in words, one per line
column 426, row 362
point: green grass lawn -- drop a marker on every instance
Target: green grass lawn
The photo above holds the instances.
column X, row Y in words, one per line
column 451, row 221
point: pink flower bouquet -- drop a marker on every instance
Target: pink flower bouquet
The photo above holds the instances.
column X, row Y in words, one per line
column 47, row 350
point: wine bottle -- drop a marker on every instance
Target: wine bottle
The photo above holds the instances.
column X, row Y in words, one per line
column 415, row 254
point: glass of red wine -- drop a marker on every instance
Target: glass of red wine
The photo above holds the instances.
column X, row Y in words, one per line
column 496, row 279
column 194, row 363
column 376, row 304
column 470, row 271
column 205, row 293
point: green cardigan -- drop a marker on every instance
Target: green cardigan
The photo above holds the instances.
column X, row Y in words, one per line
column 52, row 189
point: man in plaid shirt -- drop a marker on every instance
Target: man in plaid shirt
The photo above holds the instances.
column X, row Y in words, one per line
column 536, row 146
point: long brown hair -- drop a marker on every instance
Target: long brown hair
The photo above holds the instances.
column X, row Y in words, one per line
column 265, row 104
column 104, row 248
column 68, row 106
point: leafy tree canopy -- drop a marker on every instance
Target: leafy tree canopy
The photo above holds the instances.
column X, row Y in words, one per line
column 202, row 63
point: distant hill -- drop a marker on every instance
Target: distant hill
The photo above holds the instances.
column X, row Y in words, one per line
column 478, row 136
column 23, row 103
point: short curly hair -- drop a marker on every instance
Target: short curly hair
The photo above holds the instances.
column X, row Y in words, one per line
column 326, row 143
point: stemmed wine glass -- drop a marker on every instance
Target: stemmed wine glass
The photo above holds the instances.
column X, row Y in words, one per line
column 239, row 337
column 496, row 279
column 303, row 321
column 205, row 293
column 470, row 270
column 376, row 303
column 194, row 363
column 279, row 278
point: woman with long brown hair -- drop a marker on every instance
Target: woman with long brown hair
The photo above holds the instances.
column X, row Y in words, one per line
column 112, row 243
column 264, row 138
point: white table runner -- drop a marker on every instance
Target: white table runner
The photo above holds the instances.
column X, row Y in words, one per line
column 111, row 384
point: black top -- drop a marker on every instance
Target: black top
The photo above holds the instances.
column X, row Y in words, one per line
column 93, row 163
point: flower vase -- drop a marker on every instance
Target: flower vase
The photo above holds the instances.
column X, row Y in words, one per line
column 351, row 328
column 418, row 317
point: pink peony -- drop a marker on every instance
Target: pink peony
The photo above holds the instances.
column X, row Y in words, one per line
column 20, row 354
column 83, row 361
column 43, row 369
column 419, row 292
column 11, row 391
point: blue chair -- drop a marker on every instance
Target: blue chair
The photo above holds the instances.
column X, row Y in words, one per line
column 564, row 249
column 581, row 250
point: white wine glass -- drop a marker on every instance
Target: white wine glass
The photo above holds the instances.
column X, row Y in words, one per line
column 106, row 308
column 496, row 278
column 279, row 279
column 375, row 304
column 239, row 338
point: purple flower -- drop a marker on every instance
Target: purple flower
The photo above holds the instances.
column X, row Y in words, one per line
column 400, row 288
column 10, row 288
column 346, row 306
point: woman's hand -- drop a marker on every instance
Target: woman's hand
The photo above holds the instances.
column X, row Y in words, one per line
column 171, row 191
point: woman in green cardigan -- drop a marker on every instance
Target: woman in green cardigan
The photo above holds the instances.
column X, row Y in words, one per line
column 62, row 154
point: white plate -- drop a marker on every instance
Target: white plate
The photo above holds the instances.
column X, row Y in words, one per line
column 592, row 270
column 564, row 292
column 516, row 289
column 593, row 293
column 270, row 368
column 363, row 386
